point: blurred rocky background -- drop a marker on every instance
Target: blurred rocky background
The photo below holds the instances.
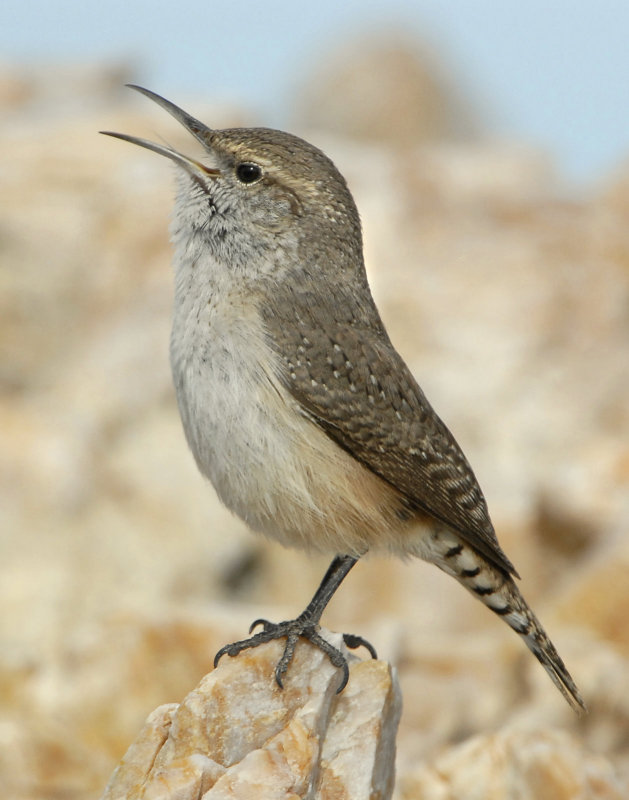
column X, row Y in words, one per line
column 506, row 290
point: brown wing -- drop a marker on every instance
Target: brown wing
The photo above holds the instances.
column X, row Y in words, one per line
column 351, row 381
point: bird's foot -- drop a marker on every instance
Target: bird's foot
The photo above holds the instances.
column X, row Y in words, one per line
column 292, row 630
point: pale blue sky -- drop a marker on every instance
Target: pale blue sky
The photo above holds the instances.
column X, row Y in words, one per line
column 553, row 72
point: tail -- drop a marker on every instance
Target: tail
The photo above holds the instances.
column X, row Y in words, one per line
column 498, row 592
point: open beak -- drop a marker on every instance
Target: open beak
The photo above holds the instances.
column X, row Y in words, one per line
column 200, row 131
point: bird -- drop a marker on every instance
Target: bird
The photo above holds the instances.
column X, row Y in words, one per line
column 294, row 401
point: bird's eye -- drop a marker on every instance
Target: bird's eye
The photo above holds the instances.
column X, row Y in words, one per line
column 247, row 172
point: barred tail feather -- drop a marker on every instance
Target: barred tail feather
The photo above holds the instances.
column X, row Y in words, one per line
column 498, row 592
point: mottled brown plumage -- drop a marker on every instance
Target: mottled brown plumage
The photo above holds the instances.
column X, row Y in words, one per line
column 351, row 381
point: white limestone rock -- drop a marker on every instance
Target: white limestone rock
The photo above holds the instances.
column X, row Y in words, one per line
column 238, row 735
column 541, row 764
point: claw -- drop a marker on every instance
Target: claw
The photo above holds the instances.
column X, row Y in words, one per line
column 336, row 657
column 353, row 642
column 287, row 657
column 344, row 679
column 292, row 631
column 220, row 654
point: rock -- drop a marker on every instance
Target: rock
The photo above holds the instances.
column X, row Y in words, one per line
column 239, row 735
column 603, row 612
column 545, row 765
column 389, row 88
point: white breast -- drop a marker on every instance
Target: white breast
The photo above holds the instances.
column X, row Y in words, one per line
column 220, row 366
column 268, row 462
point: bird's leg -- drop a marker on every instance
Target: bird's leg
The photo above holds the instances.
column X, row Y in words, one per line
column 306, row 626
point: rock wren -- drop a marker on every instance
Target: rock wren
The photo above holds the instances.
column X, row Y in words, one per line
column 295, row 403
